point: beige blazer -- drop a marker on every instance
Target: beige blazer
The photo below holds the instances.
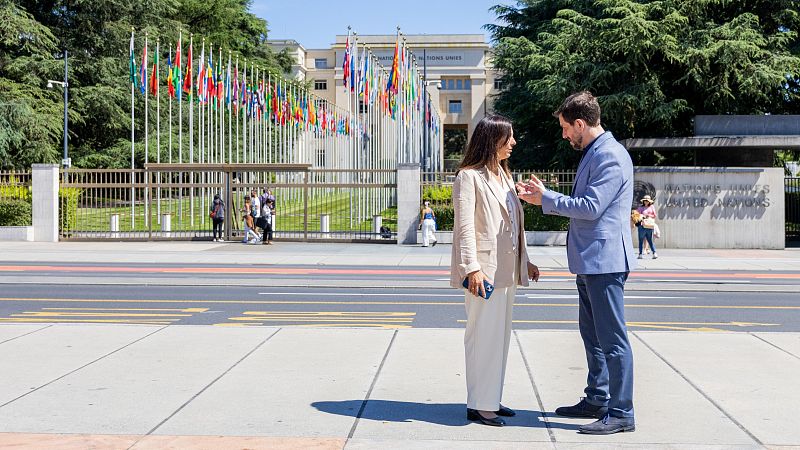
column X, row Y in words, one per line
column 482, row 232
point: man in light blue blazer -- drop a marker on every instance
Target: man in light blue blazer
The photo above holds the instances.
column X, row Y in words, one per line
column 600, row 253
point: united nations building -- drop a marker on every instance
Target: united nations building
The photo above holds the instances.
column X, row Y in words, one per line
column 457, row 69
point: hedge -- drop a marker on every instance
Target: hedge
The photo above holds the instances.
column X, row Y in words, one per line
column 68, row 210
column 15, row 212
column 534, row 219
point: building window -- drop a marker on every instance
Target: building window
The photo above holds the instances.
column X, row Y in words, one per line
column 320, row 63
column 454, row 107
column 320, row 85
column 456, row 84
column 498, row 83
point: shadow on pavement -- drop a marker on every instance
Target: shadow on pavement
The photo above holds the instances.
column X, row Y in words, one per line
column 448, row 414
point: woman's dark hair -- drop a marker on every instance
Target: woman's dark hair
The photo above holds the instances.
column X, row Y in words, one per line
column 491, row 132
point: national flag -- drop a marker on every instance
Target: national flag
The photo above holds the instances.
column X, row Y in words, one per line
column 132, row 63
column 394, row 74
column 143, row 71
column 346, row 62
column 170, row 84
column 176, row 76
column 187, row 80
column 154, row 75
column 201, row 74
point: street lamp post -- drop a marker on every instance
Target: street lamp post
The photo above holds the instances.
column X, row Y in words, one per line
column 65, row 161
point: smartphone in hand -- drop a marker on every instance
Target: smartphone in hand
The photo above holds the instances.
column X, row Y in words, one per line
column 488, row 288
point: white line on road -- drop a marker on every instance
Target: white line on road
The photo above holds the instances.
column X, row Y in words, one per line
column 627, row 297
column 357, row 294
column 669, row 280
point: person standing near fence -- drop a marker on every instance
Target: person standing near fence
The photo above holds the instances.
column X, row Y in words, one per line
column 428, row 225
column 217, row 214
column 266, row 221
column 648, row 215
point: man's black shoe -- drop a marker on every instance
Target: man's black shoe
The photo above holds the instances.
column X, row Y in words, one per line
column 608, row 425
column 583, row 409
column 505, row 412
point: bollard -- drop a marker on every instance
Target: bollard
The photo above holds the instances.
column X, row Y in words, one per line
column 166, row 225
column 325, row 224
column 377, row 223
column 114, row 226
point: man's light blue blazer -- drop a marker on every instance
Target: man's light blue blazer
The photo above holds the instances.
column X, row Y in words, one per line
column 599, row 237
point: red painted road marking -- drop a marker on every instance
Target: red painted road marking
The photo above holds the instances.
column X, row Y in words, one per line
column 331, row 271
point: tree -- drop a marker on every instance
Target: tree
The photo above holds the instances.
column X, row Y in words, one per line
column 96, row 33
column 652, row 64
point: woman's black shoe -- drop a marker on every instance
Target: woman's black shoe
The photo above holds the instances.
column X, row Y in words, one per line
column 475, row 416
column 505, row 412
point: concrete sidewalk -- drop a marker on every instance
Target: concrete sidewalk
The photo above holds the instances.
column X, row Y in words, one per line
column 144, row 387
column 338, row 254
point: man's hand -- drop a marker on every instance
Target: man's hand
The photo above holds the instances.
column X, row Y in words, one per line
column 476, row 283
column 531, row 191
column 533, row 271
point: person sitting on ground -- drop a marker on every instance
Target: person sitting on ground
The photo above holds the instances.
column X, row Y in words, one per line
column 386, row 232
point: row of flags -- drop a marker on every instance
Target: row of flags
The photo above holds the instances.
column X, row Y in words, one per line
column 399, row 91
column 220, row 84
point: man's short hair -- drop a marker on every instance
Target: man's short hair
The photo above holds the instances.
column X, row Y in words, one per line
column 580, row 105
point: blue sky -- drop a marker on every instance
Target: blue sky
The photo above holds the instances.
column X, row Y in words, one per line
column 314, row 23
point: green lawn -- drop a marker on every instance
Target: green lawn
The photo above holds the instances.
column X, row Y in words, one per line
column 289, row 217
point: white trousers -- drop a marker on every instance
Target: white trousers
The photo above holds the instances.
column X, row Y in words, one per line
column 428, row 228
column 486, row 347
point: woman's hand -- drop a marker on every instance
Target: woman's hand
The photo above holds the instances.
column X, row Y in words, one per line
column 533, row 271
column 476, row 283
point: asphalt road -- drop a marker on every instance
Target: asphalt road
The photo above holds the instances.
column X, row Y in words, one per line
column 319, row 304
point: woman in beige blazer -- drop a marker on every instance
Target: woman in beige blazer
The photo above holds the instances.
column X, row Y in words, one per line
column 488, row 244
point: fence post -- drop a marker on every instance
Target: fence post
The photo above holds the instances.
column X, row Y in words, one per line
column 114, row 225
column 230, row 214
column 408, row 200
column 325, row 224
column 377, row 223
column 305, row 205
column 166, row 225
column 44, row 183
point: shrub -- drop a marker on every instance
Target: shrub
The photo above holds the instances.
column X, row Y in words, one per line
column 18, row 192
column 68, row 208
column 15, row 212
column 444, row 217
column 534, row 219
column 438, row 194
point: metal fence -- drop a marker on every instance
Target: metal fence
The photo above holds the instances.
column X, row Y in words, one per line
column 15, row 185
column 171, row 201
column 792, row 192
column 437, row 188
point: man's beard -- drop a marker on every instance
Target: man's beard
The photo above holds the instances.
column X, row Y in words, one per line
column 577, row 144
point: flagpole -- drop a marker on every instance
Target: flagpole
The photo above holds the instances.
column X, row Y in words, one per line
column 158, row 129
column 170, row 73
column 146, row 94
column 228, row 100
column 235, row 105
column 133, row 118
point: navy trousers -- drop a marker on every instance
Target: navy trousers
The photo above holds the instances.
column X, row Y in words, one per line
column 601, row 321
